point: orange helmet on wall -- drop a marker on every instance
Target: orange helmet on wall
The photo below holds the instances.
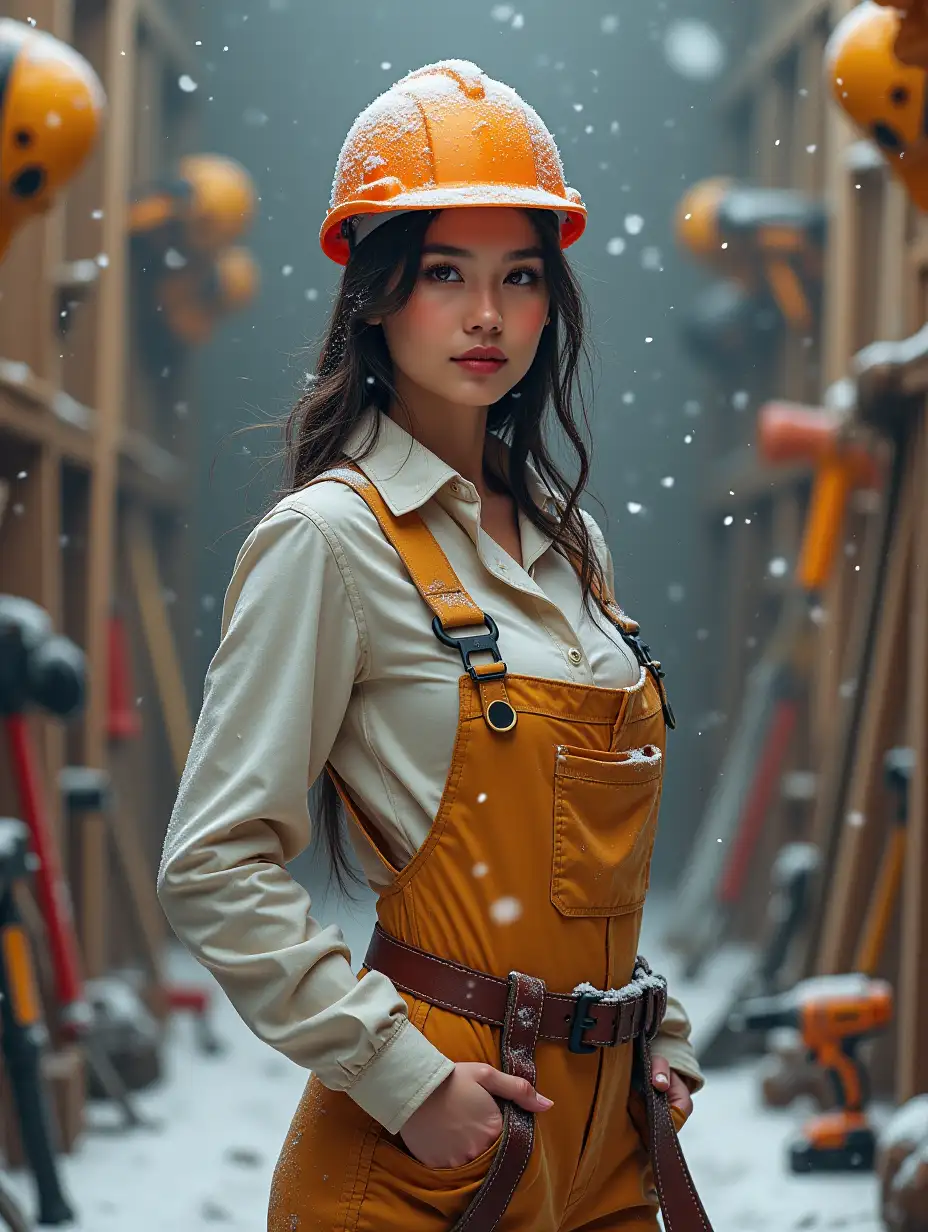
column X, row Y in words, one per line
column 885, row 98
column 447, row 135
column 51, row 104
column 209, row 205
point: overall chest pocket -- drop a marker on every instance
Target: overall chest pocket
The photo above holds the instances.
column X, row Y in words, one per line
column 605, row 821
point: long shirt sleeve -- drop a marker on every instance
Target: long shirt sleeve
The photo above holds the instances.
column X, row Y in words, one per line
column 293, row 644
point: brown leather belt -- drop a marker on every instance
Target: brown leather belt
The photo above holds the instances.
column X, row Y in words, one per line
column 526, row 1012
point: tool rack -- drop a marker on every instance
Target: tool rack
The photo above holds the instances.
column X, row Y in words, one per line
column 784, row 130
column 96, row 449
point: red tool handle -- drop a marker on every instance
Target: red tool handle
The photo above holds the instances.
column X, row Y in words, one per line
column 756, row 806
column 52, row 892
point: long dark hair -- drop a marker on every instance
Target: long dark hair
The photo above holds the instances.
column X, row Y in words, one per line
column 355, row 372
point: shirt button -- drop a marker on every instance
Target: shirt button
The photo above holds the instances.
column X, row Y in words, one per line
column 455, row 488
column 575, row 655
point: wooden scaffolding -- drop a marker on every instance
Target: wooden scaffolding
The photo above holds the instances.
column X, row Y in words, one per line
column 96, row 452
column 783, row 130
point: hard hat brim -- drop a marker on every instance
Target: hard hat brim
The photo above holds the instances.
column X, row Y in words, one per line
column 335, row 246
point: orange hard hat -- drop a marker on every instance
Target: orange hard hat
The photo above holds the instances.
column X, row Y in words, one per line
column 196, row 298
column 697, row 219
column 237, row 279
column 222, row 204
column 447, row 135
column 884, row 97
column 51, row 105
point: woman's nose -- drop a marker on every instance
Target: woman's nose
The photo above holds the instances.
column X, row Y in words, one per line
column 484, row 315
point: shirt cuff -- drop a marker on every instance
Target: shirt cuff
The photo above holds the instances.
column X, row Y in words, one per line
column 400, row 1077
column 681, row 1057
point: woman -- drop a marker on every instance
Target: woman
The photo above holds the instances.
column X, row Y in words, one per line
column 427, row 617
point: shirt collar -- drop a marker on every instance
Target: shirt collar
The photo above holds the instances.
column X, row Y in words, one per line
column 406, row 474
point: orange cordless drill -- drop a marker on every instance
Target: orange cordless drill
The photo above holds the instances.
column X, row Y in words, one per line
column 833, row 1013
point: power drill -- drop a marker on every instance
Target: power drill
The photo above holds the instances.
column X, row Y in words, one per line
column 833, row 1013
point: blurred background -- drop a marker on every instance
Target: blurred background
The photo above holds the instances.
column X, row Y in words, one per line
column 754, row 265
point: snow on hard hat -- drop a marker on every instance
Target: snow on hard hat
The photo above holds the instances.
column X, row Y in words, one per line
column 51, row 105
column 447, row 135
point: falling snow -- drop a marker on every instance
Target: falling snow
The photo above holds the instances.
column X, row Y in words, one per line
column 616, row 246
column 187, row 84
column 506, row 910
column 694, row 50
column 634, row 224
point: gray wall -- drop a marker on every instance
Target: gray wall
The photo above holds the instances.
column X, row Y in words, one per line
column 281, row 98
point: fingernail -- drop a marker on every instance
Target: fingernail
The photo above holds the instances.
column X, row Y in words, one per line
column 544, row 1101
column 661, row 1080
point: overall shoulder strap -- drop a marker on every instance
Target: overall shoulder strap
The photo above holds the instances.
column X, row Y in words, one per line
column 414, row 543
column 441, row 590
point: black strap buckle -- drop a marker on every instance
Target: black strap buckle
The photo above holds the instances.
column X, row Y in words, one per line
column 642, row 653
column 654, row 995
column 471, row 643
column 582, row 1022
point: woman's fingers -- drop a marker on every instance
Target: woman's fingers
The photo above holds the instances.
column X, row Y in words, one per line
column 660, row 1072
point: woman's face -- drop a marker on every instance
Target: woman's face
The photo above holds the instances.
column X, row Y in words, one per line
column 481, row 285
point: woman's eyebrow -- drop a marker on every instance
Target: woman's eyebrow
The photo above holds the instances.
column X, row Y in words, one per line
column 446, row 250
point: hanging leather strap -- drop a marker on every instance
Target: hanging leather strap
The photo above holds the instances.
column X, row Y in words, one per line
column 525, row 1011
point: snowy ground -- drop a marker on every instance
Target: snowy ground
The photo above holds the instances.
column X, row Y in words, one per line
column 222, row 1121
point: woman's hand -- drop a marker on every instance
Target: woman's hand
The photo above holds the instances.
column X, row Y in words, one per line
column 461, row 1118
column 668, row 1080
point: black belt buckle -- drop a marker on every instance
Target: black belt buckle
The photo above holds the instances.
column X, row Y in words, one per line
column 582, row 1022
column 471, row 643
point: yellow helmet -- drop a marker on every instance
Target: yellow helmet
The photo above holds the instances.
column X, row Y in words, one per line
column 51, row 106
column 237, row 280
column 210, row 205
column 697, row 219
column 884, row 97
column 222, row 207
column 195, row 299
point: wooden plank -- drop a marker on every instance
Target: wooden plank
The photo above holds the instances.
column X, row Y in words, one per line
column 841, row 289
column 761, row 60
column 863, row 829
column 912, row 1071
column 109, row 382
column 173, row 43
column 891, row 322
column 159, row 637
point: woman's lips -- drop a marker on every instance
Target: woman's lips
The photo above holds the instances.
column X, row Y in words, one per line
column 485, row 366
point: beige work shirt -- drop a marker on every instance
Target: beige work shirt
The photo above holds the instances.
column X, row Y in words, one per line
column 327, row 654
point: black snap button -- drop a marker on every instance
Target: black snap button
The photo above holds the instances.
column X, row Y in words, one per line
column 501, row 716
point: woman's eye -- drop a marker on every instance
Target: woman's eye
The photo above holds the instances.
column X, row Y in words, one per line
column 440, row 273
column 527, row 276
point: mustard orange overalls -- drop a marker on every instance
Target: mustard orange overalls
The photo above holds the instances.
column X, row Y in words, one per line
column 537, row 862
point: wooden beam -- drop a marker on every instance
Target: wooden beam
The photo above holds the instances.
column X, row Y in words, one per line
column 761, row 61
column 20, row 420
column 109, row 387
column 862, row 829
column 172, row 40
column 912, row 1063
